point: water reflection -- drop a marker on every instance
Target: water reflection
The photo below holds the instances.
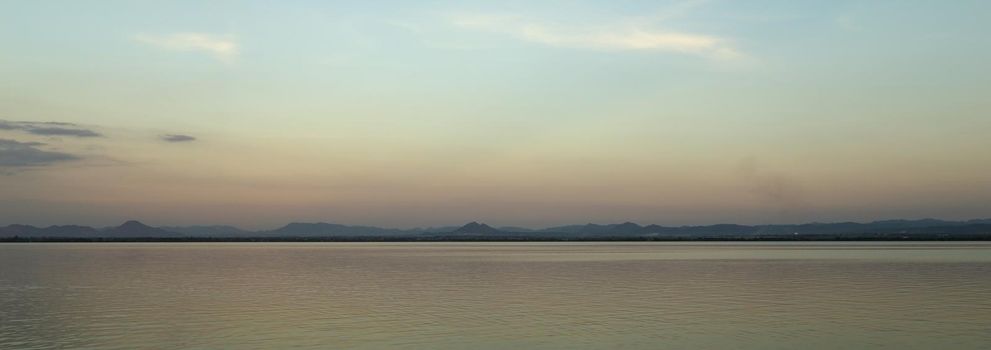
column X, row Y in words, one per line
column 271, row 295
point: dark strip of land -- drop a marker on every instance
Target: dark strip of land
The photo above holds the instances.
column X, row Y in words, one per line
column 792, row 238
column 890, row 230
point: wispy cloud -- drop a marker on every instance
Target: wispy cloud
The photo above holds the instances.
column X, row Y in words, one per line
column 774, row 187
column 627, row 35
column 221, row 47
column 48, row 128
column 177, row 138
column 15, row 154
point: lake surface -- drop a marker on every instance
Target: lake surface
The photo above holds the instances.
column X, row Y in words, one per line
column 496, row 295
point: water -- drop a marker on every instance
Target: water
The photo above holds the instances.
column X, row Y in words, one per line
column 496, row 296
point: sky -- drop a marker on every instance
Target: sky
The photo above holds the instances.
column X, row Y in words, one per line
column 527, row 113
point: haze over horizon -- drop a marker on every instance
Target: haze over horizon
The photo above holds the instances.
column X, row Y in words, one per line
column 394, row 114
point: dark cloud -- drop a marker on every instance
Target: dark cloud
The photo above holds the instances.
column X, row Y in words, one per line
column 63, row 132
column 5, row 125
column 177, row 138
column 15, row 154
column 58, row 123
column 49, row 128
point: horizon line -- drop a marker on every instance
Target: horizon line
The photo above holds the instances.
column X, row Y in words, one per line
column 503, row 226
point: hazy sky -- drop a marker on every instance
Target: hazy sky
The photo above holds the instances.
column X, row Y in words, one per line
column 403, row 113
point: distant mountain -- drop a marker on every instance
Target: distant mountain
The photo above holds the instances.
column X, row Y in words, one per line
column 20, row 230
column 916, row 223
column 136, row 229
column 626, row 227
column 64, row 231
column 435, row 229
column 599, row 230
column 514, row 229
column 209, row 231
column 73, row 230
column 298, row 229
column 734, row 230
column 474, row 228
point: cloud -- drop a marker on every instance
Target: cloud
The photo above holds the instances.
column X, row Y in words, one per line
column 64, row 132
column 632, row 35
column 177, row 138
column 48, row 128
column 15, row 154
column 223, row 48
column 770, row 186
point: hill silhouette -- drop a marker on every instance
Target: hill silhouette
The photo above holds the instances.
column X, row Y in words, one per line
column 475, row 228
column 133, row 228
column 886, row 229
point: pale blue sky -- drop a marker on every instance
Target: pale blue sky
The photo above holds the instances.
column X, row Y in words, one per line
column 516, row 112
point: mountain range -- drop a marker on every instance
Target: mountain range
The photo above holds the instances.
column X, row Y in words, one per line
column 475, row 230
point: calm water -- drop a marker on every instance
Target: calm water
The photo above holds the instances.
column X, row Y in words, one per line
column 496, row 296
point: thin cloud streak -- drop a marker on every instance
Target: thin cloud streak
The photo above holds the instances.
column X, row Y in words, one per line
column 48, row 129
column 625, row 36
column 64, row 132
column 175, row 138
column 223, row 48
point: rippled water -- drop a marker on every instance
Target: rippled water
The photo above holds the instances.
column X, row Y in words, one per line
column 496, row 295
